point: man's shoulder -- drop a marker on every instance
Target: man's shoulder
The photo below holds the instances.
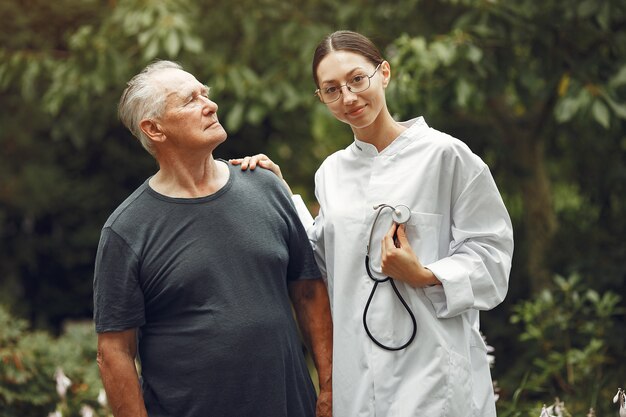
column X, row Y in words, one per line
column 260, row 179
column 124, row 212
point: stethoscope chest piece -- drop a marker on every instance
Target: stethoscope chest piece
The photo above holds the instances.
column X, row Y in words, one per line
column 401, row 214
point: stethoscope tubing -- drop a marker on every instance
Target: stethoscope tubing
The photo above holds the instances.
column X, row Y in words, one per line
column 401, row 214
column 404, row 304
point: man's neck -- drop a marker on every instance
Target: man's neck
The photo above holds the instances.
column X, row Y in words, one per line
column 180, row 179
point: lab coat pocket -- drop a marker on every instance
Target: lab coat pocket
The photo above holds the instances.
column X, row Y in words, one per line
column 422, row 230
column 459, row 388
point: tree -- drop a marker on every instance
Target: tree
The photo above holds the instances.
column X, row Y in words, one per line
column 66, row 160
column 532, row 81
column 537, row 89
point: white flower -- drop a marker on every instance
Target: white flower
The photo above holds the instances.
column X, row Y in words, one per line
column 102, row 398
column 496, row 390
column 559, row 407
column 621, row 398
column 544, row 412
column 63, row 382
column 86, row 411
column 55, row 414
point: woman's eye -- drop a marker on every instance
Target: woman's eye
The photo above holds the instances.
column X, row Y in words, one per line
column 358, row 78
column 330, row 90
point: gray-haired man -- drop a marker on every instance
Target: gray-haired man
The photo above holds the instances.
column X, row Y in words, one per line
column 195, row 271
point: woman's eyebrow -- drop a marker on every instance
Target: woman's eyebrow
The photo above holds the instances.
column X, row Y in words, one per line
column 352, row 71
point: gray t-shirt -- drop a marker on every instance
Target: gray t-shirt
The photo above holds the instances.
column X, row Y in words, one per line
column 205, row 281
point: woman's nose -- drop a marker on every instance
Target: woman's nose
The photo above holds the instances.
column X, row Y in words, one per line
column 347, row 95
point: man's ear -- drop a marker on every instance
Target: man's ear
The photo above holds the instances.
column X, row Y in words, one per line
column 152, row 130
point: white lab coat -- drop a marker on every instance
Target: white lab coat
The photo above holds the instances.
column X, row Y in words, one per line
column 459, row 229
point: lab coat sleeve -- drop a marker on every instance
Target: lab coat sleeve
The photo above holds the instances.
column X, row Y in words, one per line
column 475, row 274
column 313, row 229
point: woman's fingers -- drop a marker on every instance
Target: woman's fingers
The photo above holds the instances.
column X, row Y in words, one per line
column 251, row 161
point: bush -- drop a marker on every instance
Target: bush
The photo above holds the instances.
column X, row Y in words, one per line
column 42, row 375
column 569, row 335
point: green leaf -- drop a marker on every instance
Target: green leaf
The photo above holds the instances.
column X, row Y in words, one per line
column 587, row 8
column 463, row 92
column 618, row 108
column 474, row 54
column 604, row 16
column 192, row 44
column 255, row 114
column 601, row 113
column 566, row 109
column 234, row 118
column 172, row 43
column 618, row 79
column 152, row 49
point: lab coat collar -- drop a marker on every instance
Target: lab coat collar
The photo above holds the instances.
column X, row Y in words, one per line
column 413, row 126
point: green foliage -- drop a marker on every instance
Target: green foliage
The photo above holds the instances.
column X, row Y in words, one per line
column 570, row 350
column 537, row 89
column 66, row 161
column 30, row 362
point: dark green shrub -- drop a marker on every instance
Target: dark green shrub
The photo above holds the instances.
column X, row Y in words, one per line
column 33, row 366
column 569, row 335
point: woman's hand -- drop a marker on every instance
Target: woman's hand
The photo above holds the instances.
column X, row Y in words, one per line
column 400, row 262
column 262, row 160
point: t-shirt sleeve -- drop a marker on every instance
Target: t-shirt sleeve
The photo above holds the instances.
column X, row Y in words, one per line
column 302, row 263
column 118, row 299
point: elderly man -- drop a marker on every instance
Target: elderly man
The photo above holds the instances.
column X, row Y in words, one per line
column 195, row 272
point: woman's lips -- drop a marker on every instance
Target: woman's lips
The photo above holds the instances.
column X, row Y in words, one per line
column 356, row 112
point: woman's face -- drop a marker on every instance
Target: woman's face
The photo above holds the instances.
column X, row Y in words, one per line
column 359, row 110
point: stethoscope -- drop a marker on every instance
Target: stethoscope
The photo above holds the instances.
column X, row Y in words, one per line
column 400, row 214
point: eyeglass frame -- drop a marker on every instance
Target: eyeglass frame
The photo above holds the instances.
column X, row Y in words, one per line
column 318, row 92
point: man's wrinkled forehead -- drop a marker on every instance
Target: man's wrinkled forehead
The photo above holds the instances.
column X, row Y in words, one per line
column 178, row 86
column 171, row 81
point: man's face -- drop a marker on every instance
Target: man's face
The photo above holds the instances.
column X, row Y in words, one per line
column 190, row 117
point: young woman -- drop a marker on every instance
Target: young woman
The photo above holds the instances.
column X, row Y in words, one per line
column 411, row 203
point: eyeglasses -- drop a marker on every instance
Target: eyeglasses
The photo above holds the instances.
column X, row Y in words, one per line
column 357, row 84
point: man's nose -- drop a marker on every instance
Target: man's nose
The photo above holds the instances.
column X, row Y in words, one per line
column 209, row 105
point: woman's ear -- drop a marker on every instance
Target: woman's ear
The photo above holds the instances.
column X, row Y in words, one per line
column 152, row 130
column 385, row 71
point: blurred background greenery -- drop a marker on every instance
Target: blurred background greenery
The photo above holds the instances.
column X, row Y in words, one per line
column 536, row 88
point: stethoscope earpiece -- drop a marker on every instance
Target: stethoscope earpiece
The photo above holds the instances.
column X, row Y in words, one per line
column 400, row 213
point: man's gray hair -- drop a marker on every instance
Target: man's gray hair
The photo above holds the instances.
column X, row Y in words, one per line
column 144, row 99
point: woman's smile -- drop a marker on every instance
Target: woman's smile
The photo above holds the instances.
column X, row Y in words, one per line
column 356, row 112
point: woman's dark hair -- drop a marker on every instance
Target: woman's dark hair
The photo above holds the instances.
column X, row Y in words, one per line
column 345, row 40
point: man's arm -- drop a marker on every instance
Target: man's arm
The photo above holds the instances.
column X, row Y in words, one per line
column 116, row 360
column 310, row 301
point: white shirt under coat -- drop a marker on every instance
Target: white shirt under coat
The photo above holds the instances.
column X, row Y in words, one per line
column 459, row 229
